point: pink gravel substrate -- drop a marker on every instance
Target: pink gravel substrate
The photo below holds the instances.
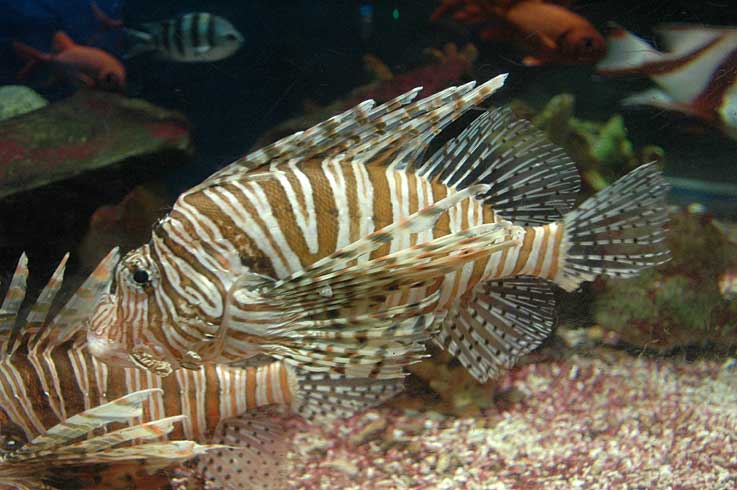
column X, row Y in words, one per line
column 607, row 422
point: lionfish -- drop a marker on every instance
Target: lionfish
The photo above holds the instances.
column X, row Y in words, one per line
column 343, row 247
column 47, row 375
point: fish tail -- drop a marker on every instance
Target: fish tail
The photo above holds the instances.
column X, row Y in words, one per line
column 618, row 232
column 32, row 55
column 626, row 53
column 140, row 42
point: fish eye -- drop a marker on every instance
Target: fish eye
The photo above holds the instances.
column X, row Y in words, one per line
column 231, row 37
column 11, row 439
column 10, row 444
column 141, row 277
column 587, row 43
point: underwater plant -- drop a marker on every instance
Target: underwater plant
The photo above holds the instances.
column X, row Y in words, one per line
column 678, row 304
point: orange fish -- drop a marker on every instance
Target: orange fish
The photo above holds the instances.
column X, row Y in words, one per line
column 81, row 65
column 549, row 32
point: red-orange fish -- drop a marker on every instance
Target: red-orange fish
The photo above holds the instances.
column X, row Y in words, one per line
column 549, row 32
column 78, row 64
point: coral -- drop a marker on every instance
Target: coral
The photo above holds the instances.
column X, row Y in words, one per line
column 17, row 99
column 601, row 150
column 605, row 420
column 443, row 384
column 679, row 304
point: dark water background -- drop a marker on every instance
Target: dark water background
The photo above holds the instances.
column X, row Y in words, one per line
column 298, row 50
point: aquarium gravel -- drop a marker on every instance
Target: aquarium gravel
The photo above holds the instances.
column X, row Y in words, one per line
column 610, row 421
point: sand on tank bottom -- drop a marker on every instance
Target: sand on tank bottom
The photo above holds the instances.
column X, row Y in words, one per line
column 588, row 422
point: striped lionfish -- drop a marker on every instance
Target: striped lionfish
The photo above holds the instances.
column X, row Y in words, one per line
column 47, row 375
column 341, row 248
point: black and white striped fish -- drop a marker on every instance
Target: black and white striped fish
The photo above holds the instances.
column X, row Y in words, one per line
column 188, row 38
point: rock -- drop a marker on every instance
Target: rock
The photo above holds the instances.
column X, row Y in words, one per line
column 88, row 131
column 342, row 465
column 371, row 431
column 59, row 163
column 18, row 99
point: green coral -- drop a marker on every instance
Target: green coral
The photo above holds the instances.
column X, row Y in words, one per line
column 679, row 304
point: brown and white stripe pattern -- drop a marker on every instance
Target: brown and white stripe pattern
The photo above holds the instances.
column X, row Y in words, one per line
column 39, row 392
column 286, row 220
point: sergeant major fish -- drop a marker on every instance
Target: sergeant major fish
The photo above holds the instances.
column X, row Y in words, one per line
column 47, row 375
column 189, row 38
column 335, row 247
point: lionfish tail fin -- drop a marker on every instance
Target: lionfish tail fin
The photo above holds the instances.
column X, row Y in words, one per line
column 618, row 232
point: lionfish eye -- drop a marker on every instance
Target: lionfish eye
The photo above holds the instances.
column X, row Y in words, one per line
column 141, row 277
column 10, row 444
column 588, row 44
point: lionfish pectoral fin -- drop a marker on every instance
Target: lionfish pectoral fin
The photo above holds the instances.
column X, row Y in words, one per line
column 335, row 334
column 618, row 232
column 531, row 180
column 66, row 457
column 500, row 323
column 255, row 455
column 322, row 397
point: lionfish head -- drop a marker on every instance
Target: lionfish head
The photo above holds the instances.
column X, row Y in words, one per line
column 121, row 322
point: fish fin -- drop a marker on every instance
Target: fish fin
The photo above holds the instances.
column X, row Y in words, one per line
column 658, row 98
column 324, row 396
column 618, row 232
column 10, row 308
column 502, row 321
column 685, row 38
column 140, row 42
column 321, row 307
column 390, row 133
column 532, row 181
column 532, row 61
column 62, row 42
column 119, row 410
column 326, row 335
column 256, row 454
column 626, row 53
column 61, row 454
column 72, row 317
column 33, row 55
column 40, row 309
column 104, row 19
column 85, row 80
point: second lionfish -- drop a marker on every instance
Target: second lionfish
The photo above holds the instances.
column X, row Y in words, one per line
column 341, row 247
column 53, row 392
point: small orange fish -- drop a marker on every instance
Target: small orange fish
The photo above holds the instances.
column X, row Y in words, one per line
column 550, row 32
column 81, row 65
